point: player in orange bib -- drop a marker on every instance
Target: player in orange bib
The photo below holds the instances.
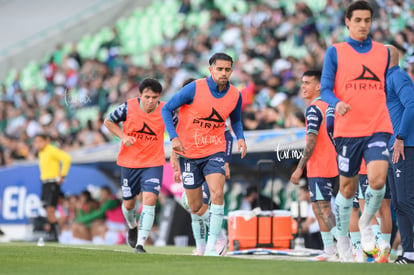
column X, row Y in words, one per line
column 353, row 80
column 204, row 106
column 141, row 156
column 319, row 156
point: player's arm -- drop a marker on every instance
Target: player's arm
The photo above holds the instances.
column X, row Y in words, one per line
column 237, row 126
column 65, row 160
column 330, row 66
column 184, row 96
column 404, row 88
column 330, row 122
column 314, row 118
column 112, row 123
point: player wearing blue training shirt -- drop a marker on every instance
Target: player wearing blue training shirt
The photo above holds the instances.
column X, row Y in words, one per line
column 400, row 103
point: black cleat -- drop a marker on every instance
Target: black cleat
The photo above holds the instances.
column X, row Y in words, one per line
column 140, row 249
column 133, row 236
column 403, row 260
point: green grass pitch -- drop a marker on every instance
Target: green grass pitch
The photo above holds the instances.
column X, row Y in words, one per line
column 28, row 258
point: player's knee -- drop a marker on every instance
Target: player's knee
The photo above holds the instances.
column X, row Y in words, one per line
column 195, row 206
column 129, row 204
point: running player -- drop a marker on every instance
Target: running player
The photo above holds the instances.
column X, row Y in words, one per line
column 353, row 80
column 141, row 156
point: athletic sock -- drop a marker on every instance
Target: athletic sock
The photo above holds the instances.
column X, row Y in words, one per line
column 386, row 237
column 199, row 232
column 130, row 216
column 216, row 221
column 356, row 239
column 377, row 233
column 327, row 240
column 373, row 199
column 343, row 214
column 145, row 223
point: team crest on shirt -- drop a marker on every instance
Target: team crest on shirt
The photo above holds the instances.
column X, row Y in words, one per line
column 214, row 120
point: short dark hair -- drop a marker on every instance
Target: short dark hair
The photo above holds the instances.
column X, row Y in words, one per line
column 188, row 81
column 43, row 136
column 151, row 83
column 316, row 73
column 357, row 5
column 220, row 56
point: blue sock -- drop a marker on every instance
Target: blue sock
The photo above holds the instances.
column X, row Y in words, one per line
column 343, row 214
column 199, row 232
column 216, row 221
column 145, row 223
column 356, row 239
column 130, row 216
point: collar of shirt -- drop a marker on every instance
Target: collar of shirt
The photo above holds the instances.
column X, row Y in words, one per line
column 214, row 87
column 360, row 46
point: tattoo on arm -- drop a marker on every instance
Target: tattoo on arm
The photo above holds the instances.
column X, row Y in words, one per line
column 308, row 151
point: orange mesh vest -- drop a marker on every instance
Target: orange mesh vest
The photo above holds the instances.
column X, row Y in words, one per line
column 359, row 82
column 148, row 130
column 201, row 124
column 322, row 163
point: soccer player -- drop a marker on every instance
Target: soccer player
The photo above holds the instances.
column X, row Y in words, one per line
column 54, row 165
column 199, row 221
column 320, row 158
column 353, row 80
column 199, row 139
column 400, row 103
column 141, row 156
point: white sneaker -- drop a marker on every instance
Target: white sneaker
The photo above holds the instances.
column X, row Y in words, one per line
column 221, row 246
column 344, row 248
column 368, row 242
column 325, row 257
column 359, row 256
column 384, row 249
column 196, row 253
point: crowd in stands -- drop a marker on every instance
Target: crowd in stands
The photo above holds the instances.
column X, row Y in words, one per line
column 272, row 46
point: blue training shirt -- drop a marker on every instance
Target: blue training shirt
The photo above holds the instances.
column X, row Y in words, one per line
column 330, row 66
column 400, row 104
column 186, row 96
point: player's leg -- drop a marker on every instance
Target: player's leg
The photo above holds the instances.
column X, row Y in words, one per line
column 151, row 180
column 350, row 151
column 321, row 194
column 130, row 189
column 383, row 237
column 215, row 176
column 354, row 229
column 376, row 156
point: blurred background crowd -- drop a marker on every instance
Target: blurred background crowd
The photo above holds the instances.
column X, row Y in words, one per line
column 69, row 93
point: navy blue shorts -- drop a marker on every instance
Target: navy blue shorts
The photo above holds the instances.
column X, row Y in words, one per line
column 321, row 188
column 194, row 171
column 351, row 151
column 136, row 180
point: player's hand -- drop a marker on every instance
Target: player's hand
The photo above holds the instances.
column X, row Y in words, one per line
column 241, row 147
column 128, row 141
column 227, row 170
column 296, row 176
column 177, row 177
column 342, row 108
column 60, row 180
column 177, row 145
column 398, row 148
